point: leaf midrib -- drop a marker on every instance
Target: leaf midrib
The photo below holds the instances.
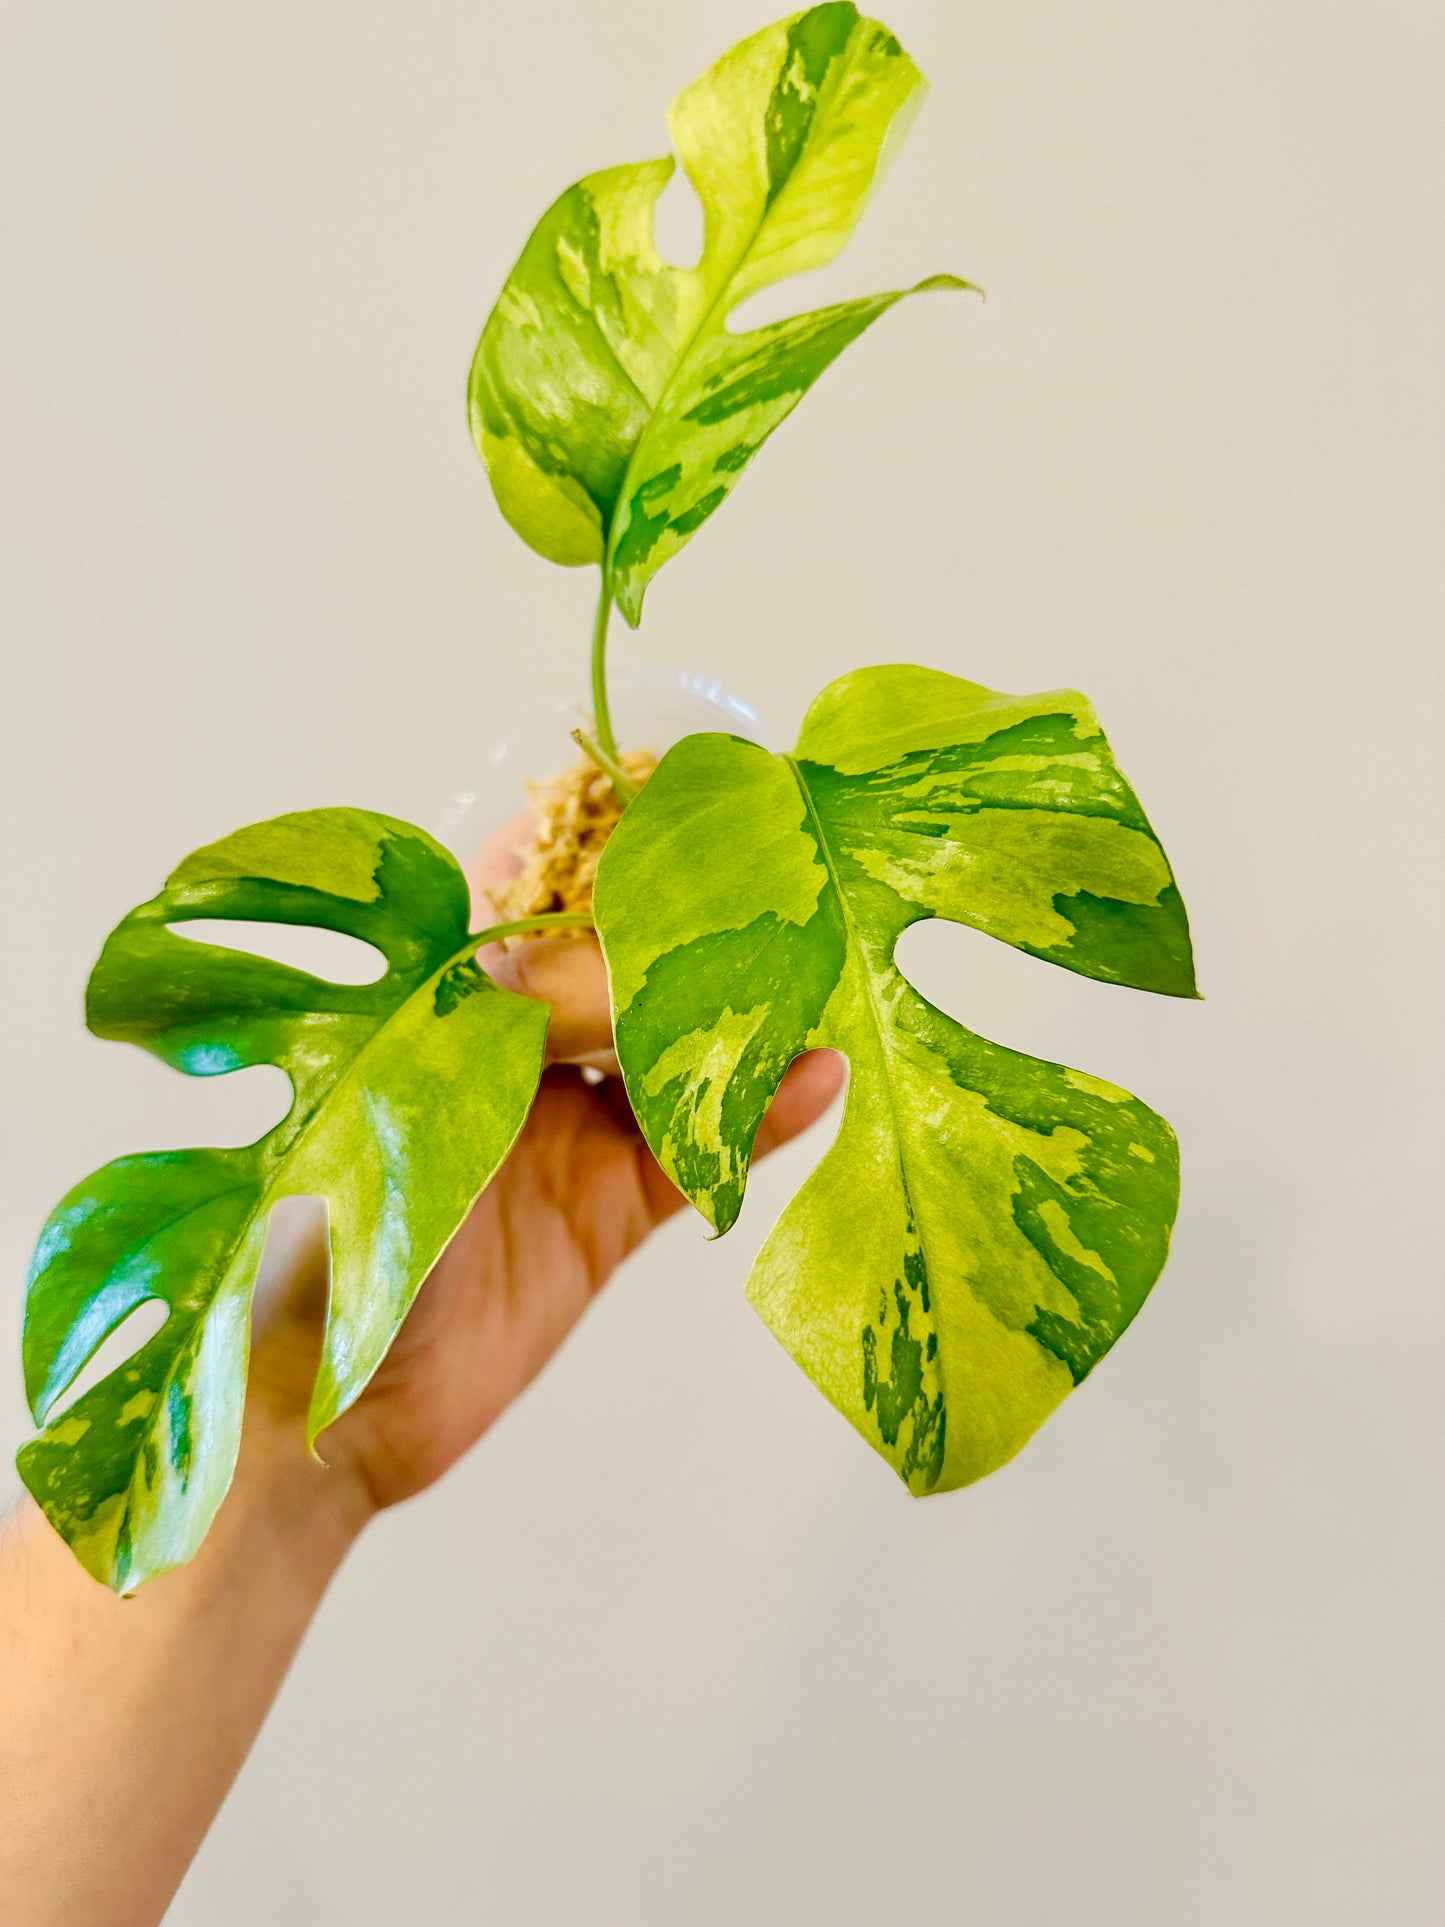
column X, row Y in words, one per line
column 815, row 823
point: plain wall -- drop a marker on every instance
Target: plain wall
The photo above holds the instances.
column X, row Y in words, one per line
column 672, row 1645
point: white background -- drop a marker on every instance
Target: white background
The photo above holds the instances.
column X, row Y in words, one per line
column 672, row 1646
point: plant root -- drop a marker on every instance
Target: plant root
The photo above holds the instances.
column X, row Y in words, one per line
column 573, row 816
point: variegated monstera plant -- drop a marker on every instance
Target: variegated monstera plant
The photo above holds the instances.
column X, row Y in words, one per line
column 985, row 1224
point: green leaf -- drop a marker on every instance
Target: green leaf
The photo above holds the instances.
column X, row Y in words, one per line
column 985, row 1224
column 612, row 405
column 408, row 1093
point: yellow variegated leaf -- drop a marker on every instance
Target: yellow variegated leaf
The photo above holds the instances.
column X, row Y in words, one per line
column 612, row 405
column 986, row 1224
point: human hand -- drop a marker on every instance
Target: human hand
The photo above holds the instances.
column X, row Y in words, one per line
column 579, row 1191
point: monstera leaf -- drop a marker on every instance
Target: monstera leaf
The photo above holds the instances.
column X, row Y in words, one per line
column 408, row 1093
column 612, row 405
column 986, row 1224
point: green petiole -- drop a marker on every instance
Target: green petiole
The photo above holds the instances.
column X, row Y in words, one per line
column 547, row 920
column 606, row 740
column 622, row 784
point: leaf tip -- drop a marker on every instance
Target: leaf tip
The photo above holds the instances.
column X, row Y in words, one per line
column 954, row 283
column 627, row 596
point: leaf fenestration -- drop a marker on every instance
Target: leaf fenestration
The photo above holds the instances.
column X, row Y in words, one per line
column 986, row 1224
column 407, row 1094
column 612, row 405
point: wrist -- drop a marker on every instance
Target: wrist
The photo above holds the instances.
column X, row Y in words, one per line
column 308, row 1512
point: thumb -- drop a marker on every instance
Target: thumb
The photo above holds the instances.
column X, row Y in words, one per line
column 568, row 973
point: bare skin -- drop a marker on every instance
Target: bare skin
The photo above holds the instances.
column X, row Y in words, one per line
column 124, row 1722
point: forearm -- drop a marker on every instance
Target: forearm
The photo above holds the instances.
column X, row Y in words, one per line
column 124, row 1721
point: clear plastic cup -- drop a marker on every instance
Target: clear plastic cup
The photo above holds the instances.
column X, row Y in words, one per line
column 652, row 708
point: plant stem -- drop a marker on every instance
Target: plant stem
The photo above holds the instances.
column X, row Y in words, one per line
column 548, row 920
column 599, row 672
column 622, row 783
